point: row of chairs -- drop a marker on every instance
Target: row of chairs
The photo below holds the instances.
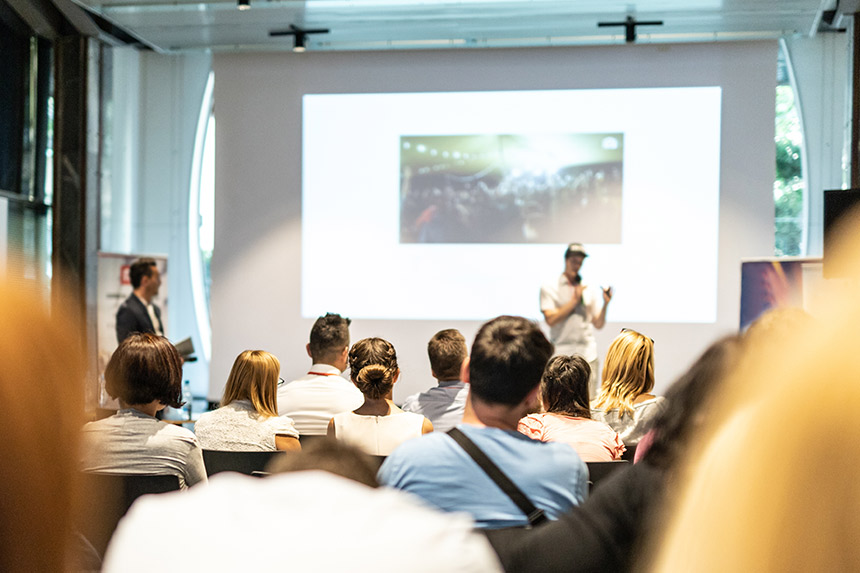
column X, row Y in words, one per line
column 109, row 497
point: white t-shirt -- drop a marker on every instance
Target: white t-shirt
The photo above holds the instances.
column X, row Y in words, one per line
column 575, row 334
column 238, row 427
column 303, row 521
column 313, row 400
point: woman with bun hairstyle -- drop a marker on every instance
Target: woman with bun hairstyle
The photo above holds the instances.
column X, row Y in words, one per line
column 378, row 426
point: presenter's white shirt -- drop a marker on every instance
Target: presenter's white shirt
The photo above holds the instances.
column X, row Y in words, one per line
column 575, row 334
column 150, row 310
column 313, row 400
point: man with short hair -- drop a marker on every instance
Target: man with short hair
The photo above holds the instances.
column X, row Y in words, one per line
column 572, row 313
column 444, row 404
column 504, row 370
column 313, row 400
column 138, row 314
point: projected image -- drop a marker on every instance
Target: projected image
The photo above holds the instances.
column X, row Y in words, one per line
column 511, row 188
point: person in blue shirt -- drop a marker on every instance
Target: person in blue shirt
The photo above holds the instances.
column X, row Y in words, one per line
column 504, row 371
column 444, row 404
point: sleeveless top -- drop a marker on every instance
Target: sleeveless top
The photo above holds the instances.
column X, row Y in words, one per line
column 377, row 435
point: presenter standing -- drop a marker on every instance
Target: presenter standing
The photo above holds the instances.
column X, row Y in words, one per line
column 572, row 311
column 138, row 314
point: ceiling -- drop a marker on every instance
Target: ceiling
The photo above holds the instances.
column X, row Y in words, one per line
column 183, row 25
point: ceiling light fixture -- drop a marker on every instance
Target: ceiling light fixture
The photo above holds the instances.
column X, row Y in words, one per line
column 299, row 35
column 299, row 42
column 630, row 24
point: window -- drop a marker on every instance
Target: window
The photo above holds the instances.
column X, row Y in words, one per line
column 788, row 186
column 202, row 214
column 26, row 118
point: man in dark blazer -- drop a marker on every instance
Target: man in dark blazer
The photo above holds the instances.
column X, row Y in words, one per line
column 138, row 313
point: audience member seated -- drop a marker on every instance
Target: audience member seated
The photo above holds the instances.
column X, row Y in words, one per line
column 444, row 404
column 41, row 412
column 337, row 524
column 611, row 526
column 338, row 458
column 312, row 400
column 145, row 375
column 625, row 402
column 248, row 417
column 567, row 416
column 504, row 372
column 378, row 425
column 774, row 485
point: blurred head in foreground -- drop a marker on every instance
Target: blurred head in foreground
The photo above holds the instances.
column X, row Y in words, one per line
column 41, row 413
column 690, row 403
column 774, row 486
column 331, row 456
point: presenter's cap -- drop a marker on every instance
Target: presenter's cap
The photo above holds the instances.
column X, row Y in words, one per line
column 575, row 249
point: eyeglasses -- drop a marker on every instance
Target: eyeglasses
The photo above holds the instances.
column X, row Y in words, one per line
column 281, row 381
column 636, row 332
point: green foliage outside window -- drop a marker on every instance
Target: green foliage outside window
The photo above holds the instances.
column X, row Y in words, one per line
column 788, row 184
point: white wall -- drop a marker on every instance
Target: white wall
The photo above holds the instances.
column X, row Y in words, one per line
column 257, row 258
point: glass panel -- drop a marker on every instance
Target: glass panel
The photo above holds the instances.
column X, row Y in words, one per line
column 788, row 185
column 28, row 246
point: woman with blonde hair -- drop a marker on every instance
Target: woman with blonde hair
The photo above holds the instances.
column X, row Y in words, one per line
column 248, row 417
column 378, row 426
column 625, row 401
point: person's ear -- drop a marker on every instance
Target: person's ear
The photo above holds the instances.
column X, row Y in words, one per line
column 308, row 349
column 396, row 377
column 464, row 370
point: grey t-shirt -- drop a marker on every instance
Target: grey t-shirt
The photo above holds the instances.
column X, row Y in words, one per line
column 131, row 442
column 632, row 428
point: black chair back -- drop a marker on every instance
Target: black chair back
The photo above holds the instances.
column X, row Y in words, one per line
column 107, row 498
column 629, row 453
column 247, row 463
column 376, row 461
column 305, row 441
column 598, row 471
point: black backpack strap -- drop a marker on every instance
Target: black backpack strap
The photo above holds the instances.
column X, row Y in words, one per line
column 535, row 516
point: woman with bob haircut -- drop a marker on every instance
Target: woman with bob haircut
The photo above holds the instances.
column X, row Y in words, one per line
column 567, row 416
column 625, row 401
column 248, row 417
column 378, row 426
column 145, row 375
